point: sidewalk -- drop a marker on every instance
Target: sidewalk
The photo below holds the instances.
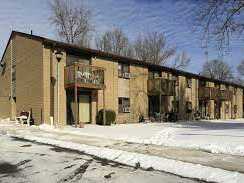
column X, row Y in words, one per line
column 229, row 164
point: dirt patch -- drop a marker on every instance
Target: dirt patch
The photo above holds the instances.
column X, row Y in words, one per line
column 78, row 173
column 26, row 145
column 19, row 139
column 67, row 150
column 23, row 162
column 70, row 166
column 8, row 168
column 108, row 176
column 58, row 149
column 28, row 141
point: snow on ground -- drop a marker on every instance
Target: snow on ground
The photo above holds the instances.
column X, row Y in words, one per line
column 226, row 136
column 184, row 169
column 23, row 161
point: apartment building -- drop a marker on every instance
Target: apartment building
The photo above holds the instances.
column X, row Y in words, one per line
column 69, row 84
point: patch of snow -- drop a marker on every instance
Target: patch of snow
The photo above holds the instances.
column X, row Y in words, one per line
column 145, row 161
column 216, row 136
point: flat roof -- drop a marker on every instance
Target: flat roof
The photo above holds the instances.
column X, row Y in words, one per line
column 111, row 56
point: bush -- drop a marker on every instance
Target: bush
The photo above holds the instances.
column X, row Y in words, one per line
column 110, row 117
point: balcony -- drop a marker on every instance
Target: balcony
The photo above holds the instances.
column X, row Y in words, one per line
column 225, row 95
column 211, row 93
column 161, row 86
column 84, row 76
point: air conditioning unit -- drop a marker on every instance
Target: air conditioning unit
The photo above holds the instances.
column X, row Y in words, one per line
column 126, row 109
column 126, row 75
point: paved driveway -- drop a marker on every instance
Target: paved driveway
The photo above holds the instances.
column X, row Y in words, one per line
column 23, row 161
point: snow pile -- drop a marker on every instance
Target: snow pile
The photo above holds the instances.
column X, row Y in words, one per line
column 145, row 161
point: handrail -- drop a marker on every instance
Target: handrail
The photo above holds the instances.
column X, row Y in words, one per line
column 213, row 93
column 83, row 75
column 161, row 86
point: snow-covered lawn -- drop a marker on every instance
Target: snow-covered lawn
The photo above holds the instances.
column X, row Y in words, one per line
column 225, row 136
column 214, row 136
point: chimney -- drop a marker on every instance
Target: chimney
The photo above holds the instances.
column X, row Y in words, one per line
column 31, row 32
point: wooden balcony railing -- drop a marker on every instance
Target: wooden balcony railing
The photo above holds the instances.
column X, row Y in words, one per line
column 161, row 86
column 84, row 76
column 212, row 93
column 225, row 95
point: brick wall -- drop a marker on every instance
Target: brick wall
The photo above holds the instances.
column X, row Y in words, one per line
column 5, row 80
column 29, row 76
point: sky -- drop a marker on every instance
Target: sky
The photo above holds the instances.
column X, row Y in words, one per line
column 174, row 18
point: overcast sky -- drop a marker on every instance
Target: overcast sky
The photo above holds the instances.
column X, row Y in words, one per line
column 172, row 17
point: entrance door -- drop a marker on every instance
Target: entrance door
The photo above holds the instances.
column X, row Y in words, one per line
column 84, row 108
column 153, row 105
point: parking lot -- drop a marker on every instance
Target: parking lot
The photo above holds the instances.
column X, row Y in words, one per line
column 24, row 161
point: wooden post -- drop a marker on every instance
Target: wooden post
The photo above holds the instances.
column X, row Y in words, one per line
column 76, row 97
column 104, row 107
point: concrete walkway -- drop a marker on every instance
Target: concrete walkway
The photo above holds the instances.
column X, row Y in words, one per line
column 222, row 161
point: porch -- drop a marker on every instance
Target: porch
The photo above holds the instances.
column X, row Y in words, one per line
column 160, row 93
column 213, row 102
column 82, row 82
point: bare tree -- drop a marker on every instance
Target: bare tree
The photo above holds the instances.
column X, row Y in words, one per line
column 240, row 68
column 152, row 48
column 220, row 19
column 114, row 41
column 181, row 61
column 72, row 21
column 217, row 69
column 240, row 77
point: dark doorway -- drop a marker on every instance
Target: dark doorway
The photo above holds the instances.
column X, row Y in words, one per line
column 153, row 105
column 217, row 106
column 203, row 108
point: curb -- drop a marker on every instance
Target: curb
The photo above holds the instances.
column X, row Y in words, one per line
column 183, row 169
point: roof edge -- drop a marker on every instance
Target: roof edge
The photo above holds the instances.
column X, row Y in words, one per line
column 116, row 57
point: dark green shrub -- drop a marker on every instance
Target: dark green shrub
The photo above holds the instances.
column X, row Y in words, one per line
column 110, row 117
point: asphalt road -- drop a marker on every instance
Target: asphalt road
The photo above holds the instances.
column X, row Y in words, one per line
column 24, row 161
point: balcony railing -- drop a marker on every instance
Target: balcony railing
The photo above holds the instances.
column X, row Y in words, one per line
column 84, row 76
column 225, row 95
column 212, row 93
column 161, row 86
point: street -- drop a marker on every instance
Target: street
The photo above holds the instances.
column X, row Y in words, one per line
column 24, row 161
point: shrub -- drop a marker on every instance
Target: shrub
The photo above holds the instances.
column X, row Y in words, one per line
column 110, row 117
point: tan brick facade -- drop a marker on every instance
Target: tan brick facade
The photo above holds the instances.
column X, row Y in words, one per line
column 29, row 76
column 37, row 85
column 5, row 81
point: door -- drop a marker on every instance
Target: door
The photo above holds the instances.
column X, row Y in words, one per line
column 84, row 108
column 153, row 105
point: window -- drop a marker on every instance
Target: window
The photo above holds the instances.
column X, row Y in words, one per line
column 202, row 83
column 124, row 71
column 154, row 74
column 71, row 59
column 189, row 82
column 124, row 105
